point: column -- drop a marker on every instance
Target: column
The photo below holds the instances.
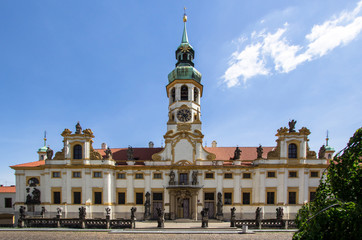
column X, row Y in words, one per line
column 237, row 189
column 130, row 190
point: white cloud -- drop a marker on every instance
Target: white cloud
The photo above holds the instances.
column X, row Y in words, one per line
column 251, row 61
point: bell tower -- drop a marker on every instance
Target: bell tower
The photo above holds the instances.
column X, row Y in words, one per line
column 183, row 139
column 184, row 89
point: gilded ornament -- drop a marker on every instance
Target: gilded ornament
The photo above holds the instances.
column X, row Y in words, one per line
column 59, row 155
column 156, row 157
column 66, row 132
column 304, row 131
column 282, row 131
column 88, row 132
column 275, row 153
column 184, row 127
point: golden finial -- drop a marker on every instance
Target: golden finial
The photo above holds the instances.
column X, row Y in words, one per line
column 185, row 16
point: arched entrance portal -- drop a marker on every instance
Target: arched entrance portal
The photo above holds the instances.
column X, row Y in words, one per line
column 183, row 202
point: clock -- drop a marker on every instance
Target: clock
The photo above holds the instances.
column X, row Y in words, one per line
column 184, row 115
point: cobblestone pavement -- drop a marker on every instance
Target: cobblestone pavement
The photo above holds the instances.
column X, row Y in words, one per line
column 25, row 235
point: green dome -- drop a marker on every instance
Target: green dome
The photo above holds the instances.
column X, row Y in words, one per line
column 329, row 148
column 43, row 149
column 184, row 72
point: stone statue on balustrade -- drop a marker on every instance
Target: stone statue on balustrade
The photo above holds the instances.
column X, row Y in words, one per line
column 219, row 206
column 205, row 218
column 147, row 214
column 160, row 218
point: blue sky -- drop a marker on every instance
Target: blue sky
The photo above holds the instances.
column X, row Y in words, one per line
column 105, row 64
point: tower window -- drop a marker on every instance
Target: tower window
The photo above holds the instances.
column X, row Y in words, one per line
column 196, row 95
column 292, row 151
column 184, row 57
column 77, row 152
column 173, row 95
column 184, row 93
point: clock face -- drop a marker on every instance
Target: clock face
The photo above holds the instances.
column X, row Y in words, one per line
column 184, row 115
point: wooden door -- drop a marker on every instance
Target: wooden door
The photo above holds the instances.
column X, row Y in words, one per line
column 211, row 207
column 155, row 206
column 186, row 208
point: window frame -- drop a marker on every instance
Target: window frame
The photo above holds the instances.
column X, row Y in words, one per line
column 312, row 171
column 292, row 151
column 143, row 198
column 55, row 173
column 138, row 176
column 230, row 175
column 271, row 190
column 267, row 174
column 96, row 173
column 249, row 191
column 247, row 177
column 77, row 151
column 8, row 204
column 183, row 96
column 213, row 175
column 231, row 197
column 158, row 174
column 121, row 174
column 290, row 173
column 74, row 173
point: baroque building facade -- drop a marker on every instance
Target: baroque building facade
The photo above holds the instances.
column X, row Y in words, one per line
column 183, row 177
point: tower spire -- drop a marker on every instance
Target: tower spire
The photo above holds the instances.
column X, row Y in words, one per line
column 45, row 138
column 184, row 35
column 327, row 139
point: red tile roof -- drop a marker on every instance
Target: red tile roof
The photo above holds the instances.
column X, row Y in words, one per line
column 227, row 153
column 7, row 189
column 142, row 154
column 31, row 164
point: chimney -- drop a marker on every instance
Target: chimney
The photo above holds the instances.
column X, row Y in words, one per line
column 104, row 146
column 151, row 144
column 214, row 144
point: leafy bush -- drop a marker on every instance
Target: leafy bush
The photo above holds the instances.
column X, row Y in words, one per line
column 336, row 212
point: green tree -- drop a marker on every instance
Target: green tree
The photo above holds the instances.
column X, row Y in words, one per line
column 336, row 212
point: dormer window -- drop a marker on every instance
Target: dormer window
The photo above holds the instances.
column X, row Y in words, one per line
column 77, row 152
column 292, row 151
column 184, row 93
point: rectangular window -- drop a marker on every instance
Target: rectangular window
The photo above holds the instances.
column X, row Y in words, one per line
column 209, row 175
column 293, row 174
column 270, row 198
column 121, row 176
column 228, row 198
column 209, row 196
column 271, row 174
column 97, row 174
column 228, row 175
column 97, row 197
column 56, row 197
column 8, row 203
column 246, row 175
column 121, row 198
column 183, row 178
column 312, row 196
column 246, row 198
column 77, row 175
column 157, row 196
column 139, row 175
column 77, row 197
column 157, row 175
column 292, row 197
column 314, row 174
column 56, row 174
column 139, row 198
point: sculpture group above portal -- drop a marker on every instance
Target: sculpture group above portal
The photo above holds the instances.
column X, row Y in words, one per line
column 292, row 125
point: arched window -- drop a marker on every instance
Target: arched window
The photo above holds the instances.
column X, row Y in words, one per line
column 184, row 57
column 184, row 93
column 292, row 151
column 173, row 95
column 77, row 152
column 329, row 156
column 196, row 95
